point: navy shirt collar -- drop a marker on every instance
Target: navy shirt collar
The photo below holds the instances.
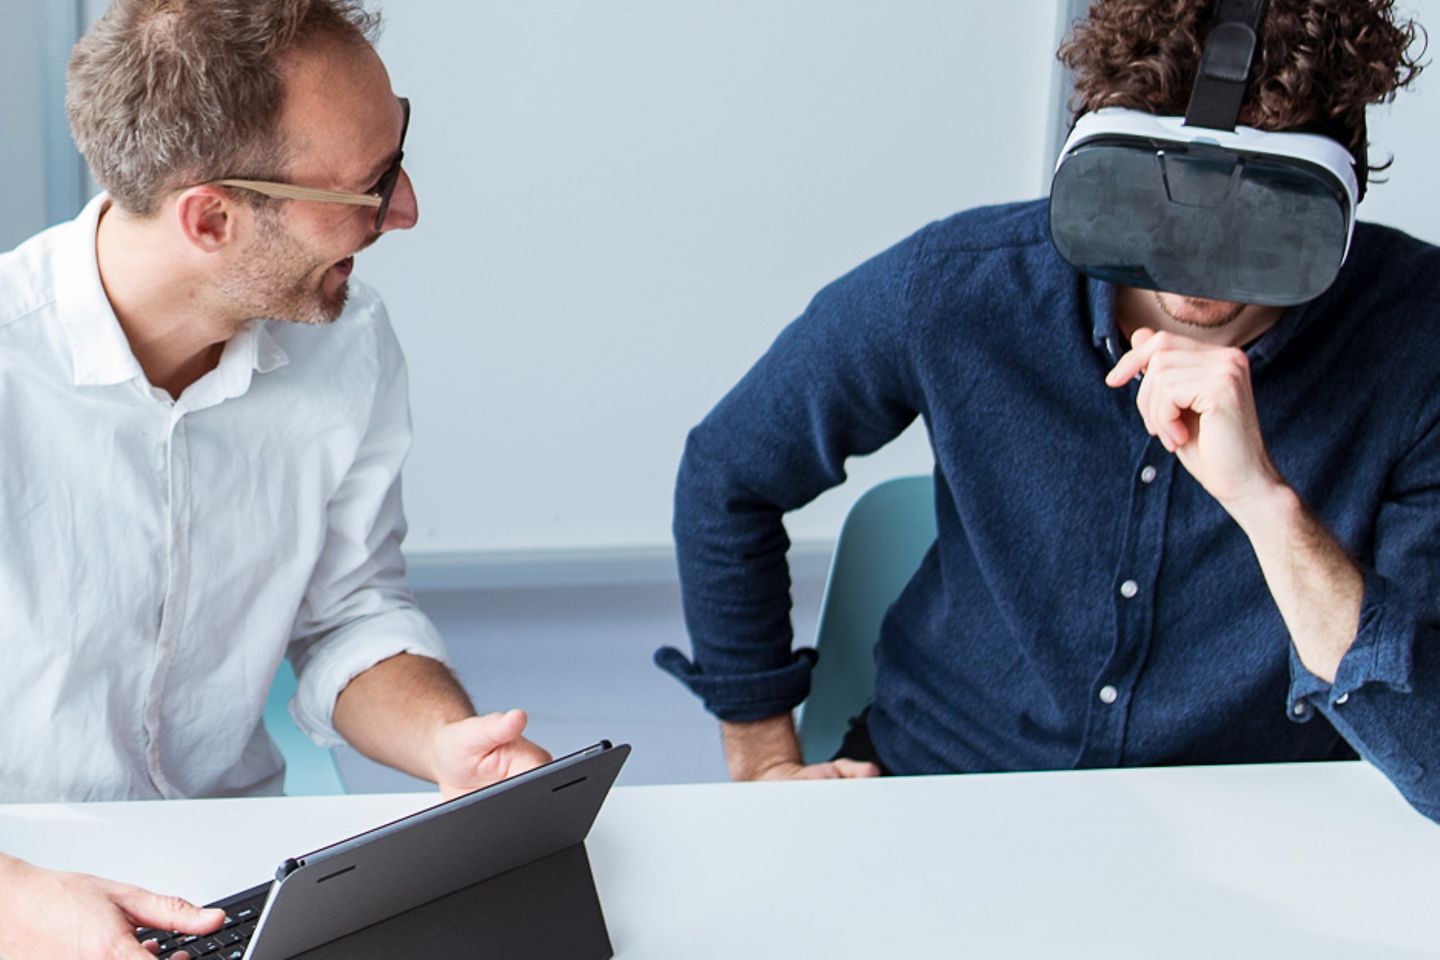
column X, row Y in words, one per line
column 1107, row 336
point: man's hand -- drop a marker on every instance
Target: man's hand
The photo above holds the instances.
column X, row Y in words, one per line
column 769, row 750
column 1197, row 400
column 411, row 713
column 45, row 915
column 477, row 751
column 841, row 769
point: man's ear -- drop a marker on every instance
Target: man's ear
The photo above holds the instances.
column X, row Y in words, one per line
column 208, row 218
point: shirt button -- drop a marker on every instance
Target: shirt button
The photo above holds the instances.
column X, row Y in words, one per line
column 1341, row 699
column 1147, row 475
column 1300, row 710
column 1109, row 694
column 1129, row 588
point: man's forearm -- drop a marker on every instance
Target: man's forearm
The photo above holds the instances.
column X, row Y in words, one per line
column 754, row 747
column 392, row 711
column 1315, row 584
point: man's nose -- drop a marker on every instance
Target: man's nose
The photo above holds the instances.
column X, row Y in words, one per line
column 404, row 210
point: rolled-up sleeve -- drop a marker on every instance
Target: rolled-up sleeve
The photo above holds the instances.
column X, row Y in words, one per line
column 358, row 609
column 835, row 384
column 1385, row 699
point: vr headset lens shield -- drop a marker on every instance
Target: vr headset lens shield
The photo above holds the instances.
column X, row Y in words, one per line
column 1199, row 206
column 1199, row 219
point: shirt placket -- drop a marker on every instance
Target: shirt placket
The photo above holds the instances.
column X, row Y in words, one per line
column 176, row 478
column 1132, row 595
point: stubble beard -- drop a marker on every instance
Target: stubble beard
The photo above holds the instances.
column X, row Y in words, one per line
column 1200, row 313
column 269, row 285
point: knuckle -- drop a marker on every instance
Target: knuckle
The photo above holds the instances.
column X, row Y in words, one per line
column 117, row 948
column 1163, row 340
column 173, row 905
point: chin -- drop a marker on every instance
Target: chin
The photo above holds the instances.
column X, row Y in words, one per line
column 1197, row 311
column 332, row 305
column 324, row 306
column 316, row 310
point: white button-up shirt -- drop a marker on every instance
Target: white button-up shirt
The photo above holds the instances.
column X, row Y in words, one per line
column 158, row 558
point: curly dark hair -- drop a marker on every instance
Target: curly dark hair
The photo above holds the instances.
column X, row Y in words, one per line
column 1319, row 64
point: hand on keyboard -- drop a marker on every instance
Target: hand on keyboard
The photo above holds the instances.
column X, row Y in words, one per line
column 242, row 914
column 46, row 914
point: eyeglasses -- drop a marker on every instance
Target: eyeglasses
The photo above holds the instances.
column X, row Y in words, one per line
column 378, row 197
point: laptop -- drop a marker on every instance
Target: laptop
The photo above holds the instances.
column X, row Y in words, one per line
column 498, row 872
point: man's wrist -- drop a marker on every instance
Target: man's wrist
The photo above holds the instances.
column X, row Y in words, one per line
column 758, row 746
column 1268, row 511
column 1316, row 586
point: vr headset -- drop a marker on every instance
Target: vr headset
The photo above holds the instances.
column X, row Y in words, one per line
column 1199, row 207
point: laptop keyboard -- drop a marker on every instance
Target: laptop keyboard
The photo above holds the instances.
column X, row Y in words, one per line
column 242, row 912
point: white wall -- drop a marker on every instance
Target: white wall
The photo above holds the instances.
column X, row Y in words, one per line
column 22, row 186
column 1407, row 130
column 622, row 204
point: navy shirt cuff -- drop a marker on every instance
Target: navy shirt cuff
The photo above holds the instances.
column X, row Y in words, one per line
column 1383, row 651
column 742, row 697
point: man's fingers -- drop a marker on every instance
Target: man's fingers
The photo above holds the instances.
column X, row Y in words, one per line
column 534, row 754
column 841, row 769
column 1141, row 335
column 483, row 734
column 1159, row 422
column 1167, row 403
column 477, row 751
column 151, row 910
column 1179, row 385
column 854, row 769
column 817, row 771
column 1143, row 346
column 140, row 951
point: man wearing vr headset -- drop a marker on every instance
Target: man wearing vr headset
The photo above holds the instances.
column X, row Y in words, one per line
column 1187, row 463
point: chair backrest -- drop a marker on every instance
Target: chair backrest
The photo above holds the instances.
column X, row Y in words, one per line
column 881, row 543
column 309, row 769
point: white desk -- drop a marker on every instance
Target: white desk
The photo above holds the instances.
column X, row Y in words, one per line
column 1310, row 860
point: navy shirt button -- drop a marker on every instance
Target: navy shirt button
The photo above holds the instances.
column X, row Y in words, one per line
column 1147, row 475
column 1109, row 694
column 1129, row 588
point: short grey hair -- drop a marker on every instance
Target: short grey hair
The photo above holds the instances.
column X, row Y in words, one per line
column 167, row 93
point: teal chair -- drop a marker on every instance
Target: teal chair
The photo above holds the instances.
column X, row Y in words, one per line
column 309, row 770
column 880, row 546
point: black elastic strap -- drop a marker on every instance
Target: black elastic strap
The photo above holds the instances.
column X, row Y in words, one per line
column 1225, row 64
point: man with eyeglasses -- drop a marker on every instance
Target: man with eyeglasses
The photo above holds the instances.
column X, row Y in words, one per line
column 204, row 420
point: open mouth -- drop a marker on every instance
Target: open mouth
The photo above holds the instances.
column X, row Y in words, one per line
column 345, row 266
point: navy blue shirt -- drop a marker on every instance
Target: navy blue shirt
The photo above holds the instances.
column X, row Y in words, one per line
column 1074, row 553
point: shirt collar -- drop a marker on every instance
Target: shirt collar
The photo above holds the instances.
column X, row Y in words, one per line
column 99, row 350
column 1102, row 309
